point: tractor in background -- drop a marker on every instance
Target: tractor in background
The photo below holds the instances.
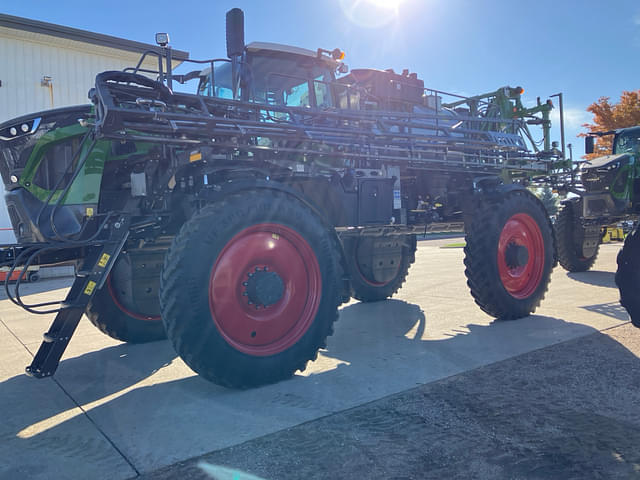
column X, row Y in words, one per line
column 606, row 192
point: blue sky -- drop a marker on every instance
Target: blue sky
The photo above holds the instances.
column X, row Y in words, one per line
column 585, row 49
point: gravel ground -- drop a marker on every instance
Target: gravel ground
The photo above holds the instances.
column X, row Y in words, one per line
column 569, row 411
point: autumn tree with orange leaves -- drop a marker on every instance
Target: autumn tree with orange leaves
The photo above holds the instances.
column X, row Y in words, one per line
column 608, row 116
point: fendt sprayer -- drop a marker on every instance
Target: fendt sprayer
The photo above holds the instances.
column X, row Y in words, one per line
column 607, row 191
column 237, row 219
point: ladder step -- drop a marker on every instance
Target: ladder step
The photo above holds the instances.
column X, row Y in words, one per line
column 52, row 337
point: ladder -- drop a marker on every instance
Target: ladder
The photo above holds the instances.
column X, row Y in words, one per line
column 90, row 277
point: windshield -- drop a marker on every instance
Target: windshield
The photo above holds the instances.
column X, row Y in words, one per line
column 292, row 81
column 627, row 142
column 274, row 80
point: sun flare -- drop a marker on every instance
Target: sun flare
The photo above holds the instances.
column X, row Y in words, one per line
column 372, row 13
column 386, row 4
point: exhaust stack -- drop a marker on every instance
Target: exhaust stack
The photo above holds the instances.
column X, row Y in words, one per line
column 235, row 32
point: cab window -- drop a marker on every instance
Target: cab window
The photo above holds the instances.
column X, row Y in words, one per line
column 627, row 143
column 221, row 86
column 278, row 80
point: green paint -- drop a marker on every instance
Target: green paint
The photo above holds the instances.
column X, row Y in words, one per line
column 85, row 189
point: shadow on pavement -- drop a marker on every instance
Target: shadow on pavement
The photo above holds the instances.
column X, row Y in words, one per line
column 594, row 277
column 611, row 309
column 378, row 350
column 565, row 411
column 43, row 432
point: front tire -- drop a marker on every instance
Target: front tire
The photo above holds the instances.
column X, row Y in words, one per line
column 628, row 276
column 509, row 254
column 250, row 289
column 379, row 266
column 569, row 241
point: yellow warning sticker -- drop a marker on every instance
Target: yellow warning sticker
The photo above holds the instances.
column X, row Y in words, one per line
column 195, row 156
column 89, row 288
column 89, row 211
column 275, row 236
column 103, row 260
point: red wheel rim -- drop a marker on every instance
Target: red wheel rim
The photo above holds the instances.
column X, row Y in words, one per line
column 369, row 281
column 131, row 313
column 522, row 280
column 272, row 329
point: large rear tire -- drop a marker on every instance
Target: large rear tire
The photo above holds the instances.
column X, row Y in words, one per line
column 509, row 254
column 379, row 266
column 569, row 241
column 628, row 276
column 250, row 289
column 127, row 307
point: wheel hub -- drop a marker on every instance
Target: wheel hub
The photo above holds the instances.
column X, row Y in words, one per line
column 516, row 255
column 263, row 288
column 521, row 255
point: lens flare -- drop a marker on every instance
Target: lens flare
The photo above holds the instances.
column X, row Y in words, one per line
column 371, row 13
column 386, row 4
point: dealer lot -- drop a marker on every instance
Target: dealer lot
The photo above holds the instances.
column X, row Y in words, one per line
column 115, row 410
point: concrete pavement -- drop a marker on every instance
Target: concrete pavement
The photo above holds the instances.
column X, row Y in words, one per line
column 115, row 410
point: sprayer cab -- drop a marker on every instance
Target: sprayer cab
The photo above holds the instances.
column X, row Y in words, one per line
column 274, row 74
column 271, row 73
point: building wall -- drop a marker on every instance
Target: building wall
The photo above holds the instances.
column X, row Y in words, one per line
column 26, row 57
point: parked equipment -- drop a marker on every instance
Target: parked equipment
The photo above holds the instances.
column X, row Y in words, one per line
column 236, row 220
column 607, row 192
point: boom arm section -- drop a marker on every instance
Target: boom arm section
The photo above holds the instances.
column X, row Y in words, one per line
column 132, row 107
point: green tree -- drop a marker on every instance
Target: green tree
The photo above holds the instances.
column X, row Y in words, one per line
column 610, row 116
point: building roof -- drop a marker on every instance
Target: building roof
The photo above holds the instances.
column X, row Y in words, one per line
column 44, row 28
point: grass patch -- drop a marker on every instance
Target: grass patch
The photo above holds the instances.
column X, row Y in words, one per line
column 455, row 245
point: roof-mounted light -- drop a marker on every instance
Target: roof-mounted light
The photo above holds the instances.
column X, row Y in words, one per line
column 162, row 39
column 336, row 54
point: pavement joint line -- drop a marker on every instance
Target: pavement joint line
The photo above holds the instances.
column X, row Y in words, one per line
column 615, row 326
column 16, row 337
column 73, row 400
column 401, row 392
column 97, row 427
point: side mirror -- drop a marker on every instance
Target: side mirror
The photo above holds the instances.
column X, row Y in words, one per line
column 588, row 144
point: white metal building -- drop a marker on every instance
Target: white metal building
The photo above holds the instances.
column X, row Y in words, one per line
column 45, row 66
